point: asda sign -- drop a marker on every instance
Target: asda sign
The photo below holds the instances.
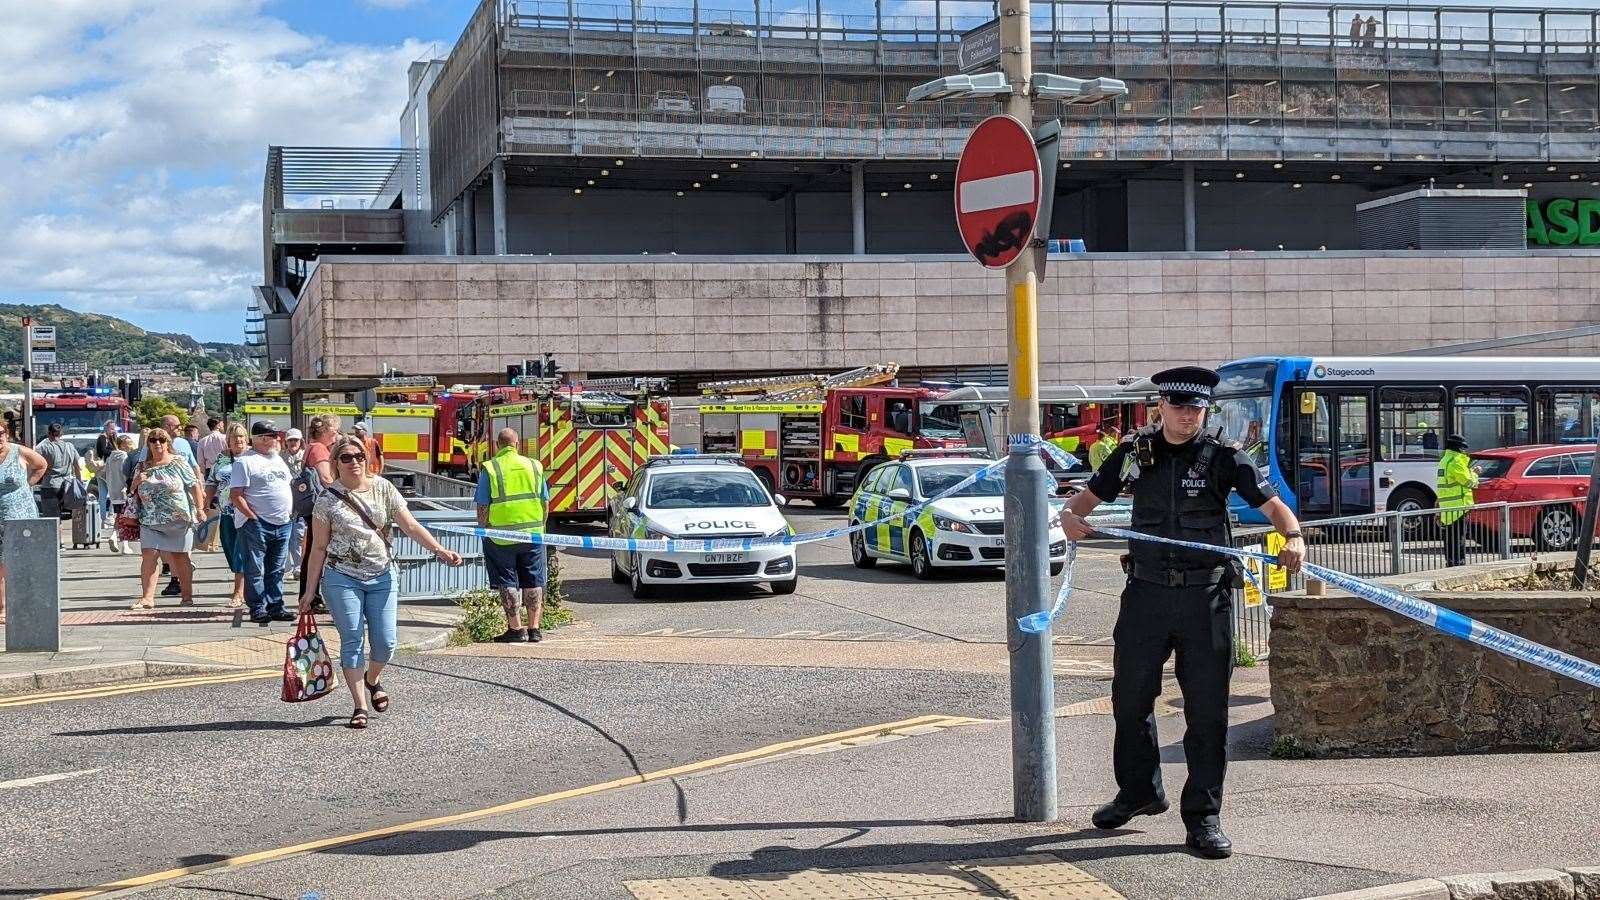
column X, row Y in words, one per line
column 1564, row 222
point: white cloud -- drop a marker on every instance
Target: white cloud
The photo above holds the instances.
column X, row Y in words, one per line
column 133, row 134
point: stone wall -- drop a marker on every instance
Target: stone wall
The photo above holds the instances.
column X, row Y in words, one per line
column 1349, row 678
column 1101, row 316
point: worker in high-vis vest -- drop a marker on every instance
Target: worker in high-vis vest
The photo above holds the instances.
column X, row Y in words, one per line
column 1102, row 447
column 513, row 495
column 1457, row 478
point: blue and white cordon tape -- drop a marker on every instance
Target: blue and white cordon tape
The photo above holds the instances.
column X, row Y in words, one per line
column 1431, row 614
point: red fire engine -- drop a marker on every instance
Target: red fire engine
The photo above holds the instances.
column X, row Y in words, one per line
column 814, row 436
column 589, row 437
column 80, row 411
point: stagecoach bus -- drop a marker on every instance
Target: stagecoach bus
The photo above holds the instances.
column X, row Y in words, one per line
column 1343, row 436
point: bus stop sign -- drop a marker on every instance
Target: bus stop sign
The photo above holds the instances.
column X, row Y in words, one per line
column 997, row 191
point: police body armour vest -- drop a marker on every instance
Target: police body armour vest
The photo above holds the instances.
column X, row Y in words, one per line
column 1174, row 498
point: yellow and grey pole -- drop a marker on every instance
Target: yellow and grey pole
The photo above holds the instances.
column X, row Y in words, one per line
column 1028, row 483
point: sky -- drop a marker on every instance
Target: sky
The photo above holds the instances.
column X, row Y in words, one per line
column 133, row 133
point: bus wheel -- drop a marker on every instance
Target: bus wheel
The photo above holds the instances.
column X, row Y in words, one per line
column 1411, row 500
column 832, row 501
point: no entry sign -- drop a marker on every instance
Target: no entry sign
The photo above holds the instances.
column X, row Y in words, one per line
column 997, row 191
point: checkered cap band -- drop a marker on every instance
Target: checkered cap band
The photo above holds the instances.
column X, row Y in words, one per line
column 1182, row 387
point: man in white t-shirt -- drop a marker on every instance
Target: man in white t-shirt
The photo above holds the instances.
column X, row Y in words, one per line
column 263, row 506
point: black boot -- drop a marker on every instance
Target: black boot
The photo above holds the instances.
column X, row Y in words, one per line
column 512, row 636
column 1208, row 840
column 1117, row 813
column 172, row 589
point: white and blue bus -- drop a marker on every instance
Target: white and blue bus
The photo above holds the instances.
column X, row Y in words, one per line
column 1380, row 422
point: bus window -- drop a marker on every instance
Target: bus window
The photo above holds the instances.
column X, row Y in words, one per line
column 1244, row 424
column 1567, row 416
column 1492, row 417
column 1410, row 421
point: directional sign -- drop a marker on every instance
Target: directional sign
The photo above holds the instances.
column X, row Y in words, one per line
column 978, row 47
column 44, row 337
column 997, row 191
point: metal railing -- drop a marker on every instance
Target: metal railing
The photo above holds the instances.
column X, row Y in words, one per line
column 422, row 577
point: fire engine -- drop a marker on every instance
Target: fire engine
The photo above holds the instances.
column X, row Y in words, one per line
column 589, row 438
column 1069, row 415
column 814, row 436
column 80, row 411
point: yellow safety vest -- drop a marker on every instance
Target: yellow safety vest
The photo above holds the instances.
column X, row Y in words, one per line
column 1456, row 481
column 516, row 493
column 1099, row 450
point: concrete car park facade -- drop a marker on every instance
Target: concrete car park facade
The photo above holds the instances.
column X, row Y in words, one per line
column 1102, row 315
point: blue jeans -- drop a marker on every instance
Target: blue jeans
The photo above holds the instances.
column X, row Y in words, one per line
column 355, row 603
column 264, row 552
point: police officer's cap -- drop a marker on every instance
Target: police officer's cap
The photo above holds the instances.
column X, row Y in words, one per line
column 1186, row 385
column 1456, row 442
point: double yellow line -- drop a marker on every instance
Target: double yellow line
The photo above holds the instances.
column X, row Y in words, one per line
column 116, row 689
column 731, row 759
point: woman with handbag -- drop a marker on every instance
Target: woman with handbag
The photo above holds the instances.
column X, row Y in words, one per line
column 236, row 442
column 20, row 469
column 170, row 499
column 351, row 561
column 317, row 472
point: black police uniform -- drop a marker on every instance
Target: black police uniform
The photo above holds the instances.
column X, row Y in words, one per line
column 1178, row 600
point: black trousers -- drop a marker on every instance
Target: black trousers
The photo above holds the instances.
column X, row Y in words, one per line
column 1197, row 624
column 1455, row 541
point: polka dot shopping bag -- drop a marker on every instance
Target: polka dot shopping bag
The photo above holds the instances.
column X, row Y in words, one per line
column 307, row 667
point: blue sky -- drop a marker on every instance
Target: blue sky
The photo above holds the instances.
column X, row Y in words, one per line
column 132, row 133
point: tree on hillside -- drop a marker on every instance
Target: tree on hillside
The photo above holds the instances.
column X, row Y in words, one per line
column 152, row 407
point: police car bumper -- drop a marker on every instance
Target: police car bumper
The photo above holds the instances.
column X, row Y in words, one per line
column 954, row 549
column 754, row 566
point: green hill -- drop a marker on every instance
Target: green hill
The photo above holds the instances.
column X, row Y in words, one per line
column 102, row 341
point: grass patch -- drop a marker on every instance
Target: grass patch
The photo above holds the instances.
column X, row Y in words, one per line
column 485, row 620
column 1285, row 746
column 1242, row 656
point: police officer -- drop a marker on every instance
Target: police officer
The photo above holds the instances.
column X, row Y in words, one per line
column 1177, row 600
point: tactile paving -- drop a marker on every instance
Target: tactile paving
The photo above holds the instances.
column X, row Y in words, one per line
column 1033, row 870
column 1030, row 877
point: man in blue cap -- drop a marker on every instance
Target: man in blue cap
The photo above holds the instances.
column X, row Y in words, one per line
column 1177, row 599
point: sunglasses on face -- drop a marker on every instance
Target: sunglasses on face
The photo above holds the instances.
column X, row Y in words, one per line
column 352, row 457
column 158, row 440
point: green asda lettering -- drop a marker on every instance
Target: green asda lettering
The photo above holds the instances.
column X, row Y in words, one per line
column 1564, row 222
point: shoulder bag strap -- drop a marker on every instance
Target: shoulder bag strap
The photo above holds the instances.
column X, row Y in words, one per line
column 366, row 517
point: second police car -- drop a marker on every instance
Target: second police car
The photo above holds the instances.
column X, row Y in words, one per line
column 692, row 497
column 964, row 530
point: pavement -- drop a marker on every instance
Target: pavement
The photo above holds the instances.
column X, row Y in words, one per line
column 102, row 640
column 850, row 740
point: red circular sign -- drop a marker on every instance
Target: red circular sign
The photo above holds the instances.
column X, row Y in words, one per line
column 997, row 191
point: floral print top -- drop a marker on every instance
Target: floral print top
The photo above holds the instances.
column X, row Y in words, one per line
column 353, row 548
column 221, row 474
column 165, row 500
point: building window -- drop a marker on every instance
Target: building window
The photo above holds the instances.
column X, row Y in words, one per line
column 1411, row 422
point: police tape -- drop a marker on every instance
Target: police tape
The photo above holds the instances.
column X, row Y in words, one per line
column 1433, row 615
column 711, row 545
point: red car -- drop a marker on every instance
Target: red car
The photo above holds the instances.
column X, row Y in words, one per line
column 1541, row 472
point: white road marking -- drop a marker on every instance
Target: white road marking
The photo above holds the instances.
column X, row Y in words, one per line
column 1012, row 189
column 44, row 779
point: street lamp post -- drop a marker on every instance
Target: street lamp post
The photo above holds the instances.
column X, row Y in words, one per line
column 1028, row 481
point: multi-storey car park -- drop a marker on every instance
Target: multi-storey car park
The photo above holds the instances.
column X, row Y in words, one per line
column 723, row 187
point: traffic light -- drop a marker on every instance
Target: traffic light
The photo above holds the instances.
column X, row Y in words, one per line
column 122, row 388
column 230, row 396
column 513, row 372
column 135, row 390
column 551, row 370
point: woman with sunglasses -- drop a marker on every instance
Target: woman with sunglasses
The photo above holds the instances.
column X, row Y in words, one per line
column 170, row 499
column 351, row 561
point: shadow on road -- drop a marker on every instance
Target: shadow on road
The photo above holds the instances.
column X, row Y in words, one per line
column 202, row 727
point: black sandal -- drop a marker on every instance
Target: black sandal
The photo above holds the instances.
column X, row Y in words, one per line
column 358, row 719
column 380, row 697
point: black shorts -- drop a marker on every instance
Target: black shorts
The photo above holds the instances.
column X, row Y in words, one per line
column 514, row 566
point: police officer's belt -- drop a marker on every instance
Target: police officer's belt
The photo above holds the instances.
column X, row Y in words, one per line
column 1178, row 577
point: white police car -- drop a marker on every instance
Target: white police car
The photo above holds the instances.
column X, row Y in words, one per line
column 700, row 496
column 964, row 530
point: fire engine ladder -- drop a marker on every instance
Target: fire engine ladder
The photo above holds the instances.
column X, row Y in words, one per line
column 798, row 387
